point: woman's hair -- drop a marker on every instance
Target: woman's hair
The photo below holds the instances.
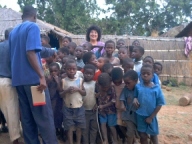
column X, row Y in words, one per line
column 87, row 56
column 69, row 39
column 97, row 29
column 54, row 64
column 116, row 74
column 110, row 41
column 131, row 74
column 89, row 66
column 149, row 58
column 104, row 79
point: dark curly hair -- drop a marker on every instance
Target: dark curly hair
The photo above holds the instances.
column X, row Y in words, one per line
column 97, row 29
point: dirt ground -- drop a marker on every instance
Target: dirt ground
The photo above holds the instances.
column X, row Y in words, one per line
column 175, row 121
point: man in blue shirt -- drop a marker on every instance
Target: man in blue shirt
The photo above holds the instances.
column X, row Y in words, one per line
column 26, row 67
column 8, row 96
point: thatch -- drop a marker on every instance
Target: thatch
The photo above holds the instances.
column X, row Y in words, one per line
column 10, row 18
column 174, row 31
column 187, row 31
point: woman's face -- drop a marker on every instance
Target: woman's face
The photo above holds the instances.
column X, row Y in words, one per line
column 93, row 35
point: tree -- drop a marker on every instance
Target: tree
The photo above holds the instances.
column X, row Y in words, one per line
column 142, row 17
column 72, row 15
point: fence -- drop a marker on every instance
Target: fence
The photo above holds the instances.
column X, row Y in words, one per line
column 168, row 51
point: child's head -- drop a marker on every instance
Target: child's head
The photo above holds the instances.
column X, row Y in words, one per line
column 90, row 58
column 137, row 52
column 130, row 79
column 158, row 68
column 54, row 69
column 79, row 52
column 89, row 72
column 62, row 52
column 117, row 76
column 71, row 68
column 128, row 64
column 104, row 81
column 122, row 53
column 109, row 47
column 107, row 68
column 65, row 41
column 135, row 43
column 87, row 47
column 147, row 73
column 148, row 60
column 51, row 59
column 72, row 46
column 101, row 62
column 120, row 43
column 45, row 40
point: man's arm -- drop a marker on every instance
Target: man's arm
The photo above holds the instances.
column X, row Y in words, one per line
column 31, row 55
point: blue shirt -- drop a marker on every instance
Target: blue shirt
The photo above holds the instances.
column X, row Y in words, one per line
column 149, row 98
column 127, row 97
column 23, row 38
column 155, row 78
column 5, row 63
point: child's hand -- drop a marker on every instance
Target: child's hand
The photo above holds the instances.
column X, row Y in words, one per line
column 101, row 107
column 95, row 107
column 148, row 120
column 136, row 103
column 73, row 89
column 56, row 78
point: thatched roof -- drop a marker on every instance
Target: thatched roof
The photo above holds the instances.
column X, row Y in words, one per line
column 187, row 31
column 10, row 18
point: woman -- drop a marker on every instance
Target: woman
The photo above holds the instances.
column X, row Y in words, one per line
column 93, row 36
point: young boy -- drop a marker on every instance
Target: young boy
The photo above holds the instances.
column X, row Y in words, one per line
column 137, row 54
column 87, row 47
column 89, row 102
column 65, row 41
column 73, row 110
column 101, row 62
column 120, row 43
column 107, row 68
column 106, row 104
column 128, row 64
column 45, row 40
column 126, row 103
column 61, row 53
column 122, row 54
column 79, row 56
column 72, row 46
column 158, row 69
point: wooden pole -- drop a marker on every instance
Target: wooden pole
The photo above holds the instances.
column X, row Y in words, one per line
column 185, row 100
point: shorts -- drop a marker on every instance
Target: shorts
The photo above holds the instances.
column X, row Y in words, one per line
column 142, row 126
column 131, row 129
column 74, row 117
column 110, row 119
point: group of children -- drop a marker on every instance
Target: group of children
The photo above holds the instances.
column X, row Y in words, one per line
column 115, row 96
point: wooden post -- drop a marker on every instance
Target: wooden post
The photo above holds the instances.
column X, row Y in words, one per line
column 185, row 100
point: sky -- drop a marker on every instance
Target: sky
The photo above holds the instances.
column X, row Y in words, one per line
column 13, row 5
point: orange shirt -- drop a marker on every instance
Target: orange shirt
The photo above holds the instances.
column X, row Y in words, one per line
column 97, row 73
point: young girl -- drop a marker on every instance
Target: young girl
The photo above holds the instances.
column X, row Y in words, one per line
column 106, row 104
column 149, row 60
column 89, row 102
column 54, row 86
column 73, row 110
column 122, row 54
column 90, row 58
column 109, row 49
column 148, row 99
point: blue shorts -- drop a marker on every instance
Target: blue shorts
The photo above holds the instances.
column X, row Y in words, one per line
column 142, row 126
column 110, row 119
column 74, row 117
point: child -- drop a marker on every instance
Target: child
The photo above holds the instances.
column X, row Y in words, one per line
column 126, row 103
column 89, row 101
column 72, row 46
column 101, row 61
column 137, row 54
column 122, row 54
column 109, row 49
column 45, row 41
column 90, row 58
column 107, row 68
column 128, row 64
column 48, row 61
column 65, row 41
column 149, row 100
column 158, row 69
column 106, row 104
column 73, row 110
column 134, row 43
column 61, row 53
column 120, row 43
column 117, row 79
column 54, row 86
column 79, row 56
column 87, row 47
column 149, row 61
